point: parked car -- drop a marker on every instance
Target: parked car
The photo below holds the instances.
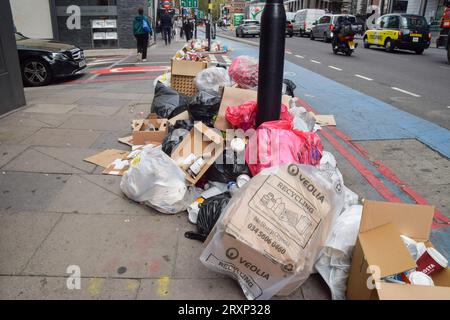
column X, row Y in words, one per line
column 399, row 31
column 42, row 61
column 323, row 28
column 248, row 28
column 289, row 29
column 304, row 19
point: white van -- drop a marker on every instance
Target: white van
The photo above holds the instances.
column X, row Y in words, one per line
column 304, row 20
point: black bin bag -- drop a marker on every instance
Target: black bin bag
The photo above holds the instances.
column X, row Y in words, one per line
column 176, row 134
column 167, row 102
column 228, row 170
column 204, row 107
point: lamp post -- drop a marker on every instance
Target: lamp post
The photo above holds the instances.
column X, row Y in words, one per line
column 271, row 61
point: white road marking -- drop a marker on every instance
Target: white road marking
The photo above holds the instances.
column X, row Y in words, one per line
column 448, row 107
column 314, row 61
column 226, row 59
column 335, row 68
column 406, row 92
column 362, row 77
column 299, row 56
column 443, row 67
column 288, row 52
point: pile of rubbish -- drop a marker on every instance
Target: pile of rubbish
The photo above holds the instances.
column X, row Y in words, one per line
column 269, row 202
column 201, row 45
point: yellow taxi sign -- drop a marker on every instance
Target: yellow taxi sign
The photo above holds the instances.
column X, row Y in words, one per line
column 415, row 35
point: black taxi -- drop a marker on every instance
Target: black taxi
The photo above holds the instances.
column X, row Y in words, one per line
column 399, row 31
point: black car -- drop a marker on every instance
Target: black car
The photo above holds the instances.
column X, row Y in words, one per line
column 43, row 60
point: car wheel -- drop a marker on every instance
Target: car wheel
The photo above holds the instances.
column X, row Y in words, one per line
column 36, row 72
column 237, row 34
column 311, row 36
column 325, row 38
column 366, row 43
column 388, row 45
column 349, row 52
column 420, row 51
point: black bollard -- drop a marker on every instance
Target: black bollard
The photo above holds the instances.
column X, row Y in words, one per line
column 271, row 61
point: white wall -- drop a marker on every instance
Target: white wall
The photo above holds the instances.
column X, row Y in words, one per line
column 413, row 7
column 32, row 18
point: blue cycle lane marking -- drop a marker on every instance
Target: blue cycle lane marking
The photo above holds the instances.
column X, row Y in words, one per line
column 360, row 116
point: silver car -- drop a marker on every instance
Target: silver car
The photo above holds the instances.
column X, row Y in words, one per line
column 248, row 28
column 323, row 28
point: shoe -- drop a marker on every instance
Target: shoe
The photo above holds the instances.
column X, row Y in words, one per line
column 144, row 60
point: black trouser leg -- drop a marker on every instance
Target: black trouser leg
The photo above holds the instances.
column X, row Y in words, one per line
column 138, row 43
column 144, row 45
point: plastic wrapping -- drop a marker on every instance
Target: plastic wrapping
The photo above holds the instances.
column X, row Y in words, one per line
column 227, row 168
column 156, row 180
column 275, row 143
column 211, row 79
column 334, row 260
column 303, row 120
column 167, row 102
column 176, row 134
column 204, row 107
column 244, row 116
column 289, row 87
column 270, row 234
column 244, row 71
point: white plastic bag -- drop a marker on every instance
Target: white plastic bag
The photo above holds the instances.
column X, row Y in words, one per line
column 211, row 79
column 270, row 234
column 155, row 179
column 334, row 260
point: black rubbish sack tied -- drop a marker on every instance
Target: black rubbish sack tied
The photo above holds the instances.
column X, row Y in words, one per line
column 210, row 211
column 177, row 132
column 229, row 169
column 167, row 102
column 290, row 87
column 204, row 107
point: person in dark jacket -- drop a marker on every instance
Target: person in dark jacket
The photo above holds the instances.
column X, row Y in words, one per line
column 166, row 25
column 187, row 27
column 141, row 29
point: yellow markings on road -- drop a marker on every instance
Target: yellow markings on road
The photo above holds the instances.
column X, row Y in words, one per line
column 95, row 286
column 163, row 286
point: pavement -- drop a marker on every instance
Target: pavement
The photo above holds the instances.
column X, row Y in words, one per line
column 57, row 211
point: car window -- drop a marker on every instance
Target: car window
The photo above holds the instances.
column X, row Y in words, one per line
column 20, row 37
column 352, row 19
column 393, row 22
column 412, row 22
column 383, row 22
column 251, row 22
column 325, row 19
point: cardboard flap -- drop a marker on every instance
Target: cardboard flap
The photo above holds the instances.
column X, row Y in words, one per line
column 384, row 248
column 411, row 220
column 182, row 116
column 187, row 68
column 105, row 158
column 393, row 291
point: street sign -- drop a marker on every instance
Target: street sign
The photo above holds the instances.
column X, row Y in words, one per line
column 189, row 3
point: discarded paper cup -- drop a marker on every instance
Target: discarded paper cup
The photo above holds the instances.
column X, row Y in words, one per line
column 242, row 180
column 431, row 261
column 420, row 279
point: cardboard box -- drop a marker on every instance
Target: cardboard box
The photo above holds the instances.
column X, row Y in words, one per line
column 143, row 136
column 379, row 244
column 182, row 116
column 202, row 140
column 105, row 158
column 183, row 75
column 235, row 97
column 269, row 237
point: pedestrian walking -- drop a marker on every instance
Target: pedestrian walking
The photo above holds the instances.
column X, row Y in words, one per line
column 187, row 26
column 166, row 25
column 178, row 26
column 142, row 29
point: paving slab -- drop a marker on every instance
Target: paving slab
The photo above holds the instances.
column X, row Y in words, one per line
column 57, row 98
column 55, row 288
column 109, row 140
column 135, row 110
column 437, row 195
column 31, row 119
column 109, row 183
column 20, row 235
column 71, row 156
column 34, row 161
column 53, row 137
column 104, row 102
column 9, row 152
column 95, row 111
column 82, row 196
column 190, row 289
column 12, row 134
column 120, row 96
column 50, row 108
column 100, row 123
column 22, row 191
column 119, row 246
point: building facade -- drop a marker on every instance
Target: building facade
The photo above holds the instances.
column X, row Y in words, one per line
column 85, row 23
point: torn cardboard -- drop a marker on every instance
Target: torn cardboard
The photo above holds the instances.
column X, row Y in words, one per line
column 105, row 158
column 235, row 97
column 182, row 116
column 117, row 168
column 143, row 136
column 379, row 244
column 201, row 141
column 126, row 140
column 325, row 120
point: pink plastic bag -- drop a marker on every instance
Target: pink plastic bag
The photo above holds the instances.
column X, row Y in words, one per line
column 275, row 143
column 244, row 116
column 244, row 71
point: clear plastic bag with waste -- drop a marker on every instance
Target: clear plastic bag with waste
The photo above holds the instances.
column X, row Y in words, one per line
column 211, row 79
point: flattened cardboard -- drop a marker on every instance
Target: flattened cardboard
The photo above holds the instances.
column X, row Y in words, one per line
column 201, row 140
column 117, row 168
column 126, row 140
column 105, row 158
column 142, row 136
column 187, row 68
column 384, row 248
column 182, row 116
column 325, row 120
column 410, row 220
column 413, row 221
column 235, row 97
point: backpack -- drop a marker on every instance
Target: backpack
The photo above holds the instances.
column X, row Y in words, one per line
column 146, row 26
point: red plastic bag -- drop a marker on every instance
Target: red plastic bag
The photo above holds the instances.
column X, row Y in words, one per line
column 244, row 71
column 275, row 143
column 244, row 116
